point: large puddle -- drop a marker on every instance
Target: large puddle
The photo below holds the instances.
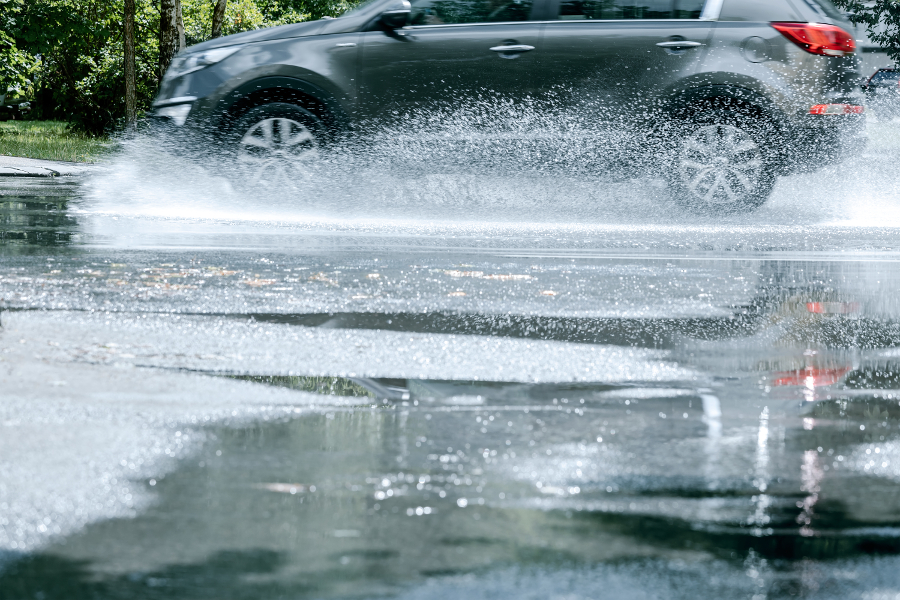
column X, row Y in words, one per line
column 484, row 489
column 208, row 399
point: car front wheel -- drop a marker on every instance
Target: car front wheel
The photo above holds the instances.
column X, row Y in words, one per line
column 277, row 145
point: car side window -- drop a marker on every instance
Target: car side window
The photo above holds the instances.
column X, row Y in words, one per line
column 688, row 9
column 630, row 9
column 886, row 76
column 450, row 12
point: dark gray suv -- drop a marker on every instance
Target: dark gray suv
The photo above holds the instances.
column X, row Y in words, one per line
column 729, row 94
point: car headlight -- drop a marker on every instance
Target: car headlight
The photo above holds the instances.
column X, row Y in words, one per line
column 178, row 113
column 182, row 65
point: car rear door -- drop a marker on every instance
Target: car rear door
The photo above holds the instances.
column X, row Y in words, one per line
column 454, row 52
column 617, row 55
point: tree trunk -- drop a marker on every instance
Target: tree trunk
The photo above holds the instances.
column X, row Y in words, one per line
column 218, row 18
column 179, row 25
column 130, row 83
column 168, row 34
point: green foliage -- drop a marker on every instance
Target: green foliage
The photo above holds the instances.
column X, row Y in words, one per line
column 316, row 9
column 881, row 18
column 240, row 15
column 16, row 66
column 80, row 42
column 67, row 55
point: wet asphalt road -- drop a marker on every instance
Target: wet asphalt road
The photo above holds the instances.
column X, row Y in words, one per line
column 211, row 398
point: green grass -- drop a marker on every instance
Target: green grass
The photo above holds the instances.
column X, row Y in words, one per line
column 50, row 140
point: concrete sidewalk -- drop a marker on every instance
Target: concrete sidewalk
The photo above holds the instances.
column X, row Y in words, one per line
column 14, row 166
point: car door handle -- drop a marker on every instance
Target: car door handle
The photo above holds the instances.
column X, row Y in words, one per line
column 679, row 45
column 512, row 48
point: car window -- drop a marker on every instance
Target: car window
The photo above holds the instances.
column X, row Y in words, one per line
column 357, row 8
column 630, row 9
column 688, row 9
column 448, row 12
column 827, row 8
column 886, row 76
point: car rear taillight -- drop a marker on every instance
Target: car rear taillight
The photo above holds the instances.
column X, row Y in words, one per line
column 836, row 109
column 832, row 308
column 818, row 38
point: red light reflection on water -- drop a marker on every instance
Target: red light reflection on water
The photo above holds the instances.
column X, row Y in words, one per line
column 811, row 377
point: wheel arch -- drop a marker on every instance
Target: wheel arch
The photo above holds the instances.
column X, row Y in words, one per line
column 689, row 102
column 283, row 89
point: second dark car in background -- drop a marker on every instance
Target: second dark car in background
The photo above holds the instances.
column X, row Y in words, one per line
column 882, row 91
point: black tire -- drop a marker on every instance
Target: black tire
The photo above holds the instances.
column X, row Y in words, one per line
column 276, row 144
column 723, row 161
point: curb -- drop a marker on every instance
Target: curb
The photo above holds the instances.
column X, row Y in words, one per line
column 14, row 166
column 8, row 172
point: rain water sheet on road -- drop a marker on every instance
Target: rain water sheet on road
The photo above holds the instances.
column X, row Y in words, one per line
column 633, row 405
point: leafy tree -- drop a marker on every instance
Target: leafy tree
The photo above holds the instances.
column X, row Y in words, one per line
column 315, row 9
column 130, row 79
column 881, row 18
column 80, row 43
column 67, row 55
column 240, row 15
column 218, row 17
column 17, row 67
column 168, row 33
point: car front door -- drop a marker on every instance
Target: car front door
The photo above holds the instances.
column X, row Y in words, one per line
column 454, row 53
column 615, row 56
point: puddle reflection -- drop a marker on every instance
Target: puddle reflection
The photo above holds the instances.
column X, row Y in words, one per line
column 35, row 213
column 383, row 499
column 509, row 424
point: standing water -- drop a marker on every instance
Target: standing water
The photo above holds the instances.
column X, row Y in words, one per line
column 412, row 379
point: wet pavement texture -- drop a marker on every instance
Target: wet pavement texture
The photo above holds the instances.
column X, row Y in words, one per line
column 633, row 404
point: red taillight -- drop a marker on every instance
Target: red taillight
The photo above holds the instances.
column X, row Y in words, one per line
column 832, row 308
column 836, row 109
column 818, row 38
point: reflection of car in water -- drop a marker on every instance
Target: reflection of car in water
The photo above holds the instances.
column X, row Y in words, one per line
column 883, row 92
column 821, row 328
column 796, row 466
column 723, row 85
column 799, row 323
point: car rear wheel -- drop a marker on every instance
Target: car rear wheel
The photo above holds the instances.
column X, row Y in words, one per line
column 277, row 145
column 722, row 163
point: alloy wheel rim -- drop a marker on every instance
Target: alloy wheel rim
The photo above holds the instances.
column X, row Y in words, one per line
column 278, row 151
column 720, row 165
